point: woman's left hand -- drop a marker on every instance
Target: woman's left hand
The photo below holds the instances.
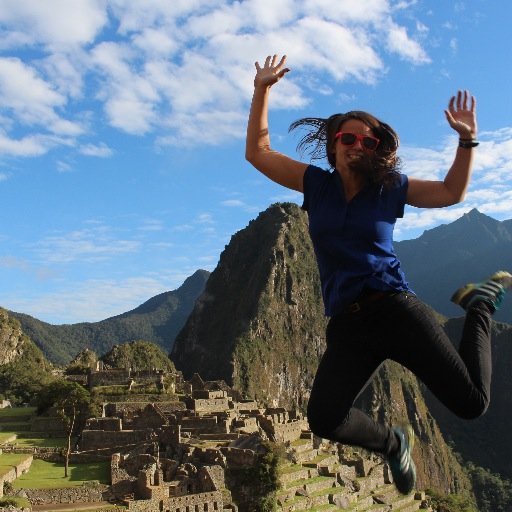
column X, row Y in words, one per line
column 461, row 115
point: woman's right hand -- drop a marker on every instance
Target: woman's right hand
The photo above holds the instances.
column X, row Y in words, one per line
column 271, row 72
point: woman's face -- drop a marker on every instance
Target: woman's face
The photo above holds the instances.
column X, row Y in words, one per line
column 355, row 155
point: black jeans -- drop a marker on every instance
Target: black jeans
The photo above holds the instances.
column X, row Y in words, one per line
column 398, row 327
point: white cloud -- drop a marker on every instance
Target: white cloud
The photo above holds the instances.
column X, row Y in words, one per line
column 28, row 146
column 91, row 300
column 63, row 166
column 233, row 203
column 99, row 150
column 155, row 42
column 152, row 225
column 400, row 43
column 32, row 99
column 86, row 245
column 55, row 23
column 66, row 72
column 129, row 97
column 205, row 218
column 349, row 11
column 416, row 220
column 171, row 65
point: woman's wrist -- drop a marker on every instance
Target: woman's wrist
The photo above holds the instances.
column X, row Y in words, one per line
column 468, row 142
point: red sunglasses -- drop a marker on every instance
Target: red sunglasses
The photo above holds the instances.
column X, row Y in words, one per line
column 349, row 139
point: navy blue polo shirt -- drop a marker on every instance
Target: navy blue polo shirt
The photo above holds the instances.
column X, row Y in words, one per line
column 353, row 241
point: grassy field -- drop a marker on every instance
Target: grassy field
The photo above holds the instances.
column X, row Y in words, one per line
column 43, row 442
column 48, row 475
column 8, row 460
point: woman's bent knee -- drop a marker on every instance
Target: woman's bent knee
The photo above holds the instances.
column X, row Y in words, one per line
column 474, row 411
column 323, row 422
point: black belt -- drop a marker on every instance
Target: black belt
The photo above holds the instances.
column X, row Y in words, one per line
column 365, row 298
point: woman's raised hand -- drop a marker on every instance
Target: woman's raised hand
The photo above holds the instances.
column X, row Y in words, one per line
column 461, row 115
column 271, row 72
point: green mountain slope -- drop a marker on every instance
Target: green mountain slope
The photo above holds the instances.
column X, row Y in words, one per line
column 158, row 320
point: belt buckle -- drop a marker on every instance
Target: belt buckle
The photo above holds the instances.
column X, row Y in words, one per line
column 355, row 307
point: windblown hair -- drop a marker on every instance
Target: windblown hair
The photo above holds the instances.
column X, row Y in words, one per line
column 319, row 142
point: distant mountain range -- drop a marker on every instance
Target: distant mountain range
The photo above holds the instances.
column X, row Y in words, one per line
column 157, row 320
column 436, row 264
column 448, row 256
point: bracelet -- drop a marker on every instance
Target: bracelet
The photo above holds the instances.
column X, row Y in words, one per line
column 468, row 143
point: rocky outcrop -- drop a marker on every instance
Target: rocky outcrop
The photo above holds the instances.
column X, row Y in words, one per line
column 13, row 341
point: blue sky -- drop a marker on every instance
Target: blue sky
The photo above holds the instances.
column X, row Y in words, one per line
column 122, row 127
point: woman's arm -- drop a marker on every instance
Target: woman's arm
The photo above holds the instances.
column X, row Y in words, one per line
column 274, row 165
column 461, row 116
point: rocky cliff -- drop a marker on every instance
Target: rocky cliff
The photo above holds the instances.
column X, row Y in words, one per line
column 23, row 367
column 13, row 342
column 259, row 325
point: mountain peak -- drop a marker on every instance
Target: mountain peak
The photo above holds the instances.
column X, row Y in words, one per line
column 265, row 286
column 197, row 279
column 472, row 225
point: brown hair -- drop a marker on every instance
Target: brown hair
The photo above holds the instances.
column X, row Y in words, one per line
column 320, row 139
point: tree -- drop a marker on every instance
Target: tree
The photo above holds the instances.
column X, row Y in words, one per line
column 138, row 355
column 72, row 403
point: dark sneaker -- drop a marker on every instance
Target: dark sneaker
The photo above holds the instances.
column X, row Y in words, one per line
column 491, row 291
column 401, row 464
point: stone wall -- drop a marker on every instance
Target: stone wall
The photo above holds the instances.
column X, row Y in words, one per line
column 282, row 432
column 204, row 502
column 100, row 439
column 247, row 425
column 207, row 394
column 132, row 406
column 106, row 424
column 89, row 492
column 204, row 424
column 109, row 377
column 208, row 404
column 15, row 472
column 239, row 457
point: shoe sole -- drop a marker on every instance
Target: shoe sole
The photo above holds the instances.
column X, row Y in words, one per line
column 501, row 278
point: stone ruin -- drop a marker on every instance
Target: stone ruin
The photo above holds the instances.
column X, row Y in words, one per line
column 180, row 452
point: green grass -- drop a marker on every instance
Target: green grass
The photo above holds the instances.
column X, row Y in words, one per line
column 10, row 412
column 43, row 442
column 31, row 442
column 8, row 460
column 5, row 435
column 50, row 475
